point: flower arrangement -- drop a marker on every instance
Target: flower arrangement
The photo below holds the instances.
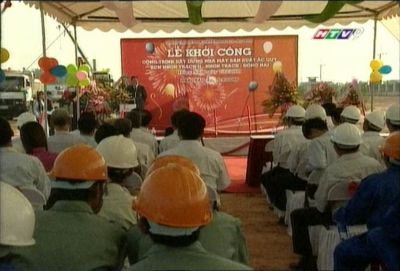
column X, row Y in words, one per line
column 352, row 96
column 320, row 93
column 284, row 94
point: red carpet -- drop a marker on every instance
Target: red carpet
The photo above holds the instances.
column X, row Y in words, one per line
column 237, row 172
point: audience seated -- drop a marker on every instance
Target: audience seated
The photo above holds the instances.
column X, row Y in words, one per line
column 393, row 118
column 172, row 140
column 120, row 155
column 70, row 235
column 373, row 124
column 350, row 114
column 35, row 143
column 87, row 125
column 18, row 169
column 105, row 130
column 21, row 120
column 139, row 133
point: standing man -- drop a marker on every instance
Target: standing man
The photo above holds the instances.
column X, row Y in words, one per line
column 137, row 93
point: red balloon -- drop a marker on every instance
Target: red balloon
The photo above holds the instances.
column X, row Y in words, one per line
column 47, row 78
column 47, row 63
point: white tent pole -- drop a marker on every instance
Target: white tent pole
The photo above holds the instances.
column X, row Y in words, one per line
column 373, row 57
column 78, row 90
column 44, row 55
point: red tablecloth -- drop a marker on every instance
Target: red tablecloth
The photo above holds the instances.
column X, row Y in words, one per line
column 256, row 159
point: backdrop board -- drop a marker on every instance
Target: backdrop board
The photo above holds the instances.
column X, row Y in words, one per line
column 225, row 79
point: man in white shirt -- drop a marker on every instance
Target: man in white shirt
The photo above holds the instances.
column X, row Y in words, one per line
column 140, row 133
column 351, row 114
column 87, row 124
column 374, row 122
column 18, row 169
column 284, row 143
column 211, row 164
column 62, row 138
column 351, row 165
column 172, row 140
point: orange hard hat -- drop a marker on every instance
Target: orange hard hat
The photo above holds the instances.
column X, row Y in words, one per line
column 175, row 159
column 80, row 163
column 174, row 196
column 391, row 147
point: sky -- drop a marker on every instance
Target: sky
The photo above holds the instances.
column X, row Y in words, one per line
column 335, row 60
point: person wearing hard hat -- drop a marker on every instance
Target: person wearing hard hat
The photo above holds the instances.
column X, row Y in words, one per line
column 70, row 235
column 351, row 114
column 19, row 169
column 21, row 120
column 284, row 143
column 375, row 193
column 378, row 245
column 223, row 227
column 173, row 205
column 373, row 124
column 320, row 152
column 62, row 138
column 393, row 118
column 351, row 165
column 17, row 223
column 172, row 140
column 120, row 155
column 211, row 164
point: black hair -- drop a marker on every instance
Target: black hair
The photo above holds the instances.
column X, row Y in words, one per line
column 171, row 241
column 175, row 117
column 87, row 123
column 146, row 117
column 191, row 126
column 168, row 131
column 6, row 133
column 335, row 114
column 135, row 118
column 118, row 175
column 32, row 136
column 314, row 123
column 329, row 108
column 105, row 130
column 123, row 127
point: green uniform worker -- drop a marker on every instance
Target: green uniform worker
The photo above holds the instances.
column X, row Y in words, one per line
column 173, row 204
column 70, row 236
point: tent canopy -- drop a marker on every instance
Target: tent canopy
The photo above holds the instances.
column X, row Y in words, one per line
column 170, row 16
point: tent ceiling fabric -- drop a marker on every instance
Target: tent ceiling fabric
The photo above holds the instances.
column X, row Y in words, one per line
column 169, row 16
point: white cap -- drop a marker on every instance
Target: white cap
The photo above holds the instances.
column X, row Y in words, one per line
column 24, row 118
column 315, row 111
column 17, row 218
column 118, row 152
column 351, row 113
column 393, row 114
column 376, row 118
column 295, row 111
column 347, row 135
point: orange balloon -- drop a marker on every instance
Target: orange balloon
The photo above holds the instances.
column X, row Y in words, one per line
column 47, row 78
column 47, row 63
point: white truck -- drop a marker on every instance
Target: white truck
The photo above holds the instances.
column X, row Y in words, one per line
column 16, row 94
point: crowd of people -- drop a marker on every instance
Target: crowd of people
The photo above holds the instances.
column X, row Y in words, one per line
column 93, row 219
column 324, row 147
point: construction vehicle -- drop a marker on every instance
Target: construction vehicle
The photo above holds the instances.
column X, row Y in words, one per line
column 16, row 94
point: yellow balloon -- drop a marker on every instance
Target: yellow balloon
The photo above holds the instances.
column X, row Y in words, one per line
column 375, row 64
column 4, row 55
column 375, row 77
column 169, row 90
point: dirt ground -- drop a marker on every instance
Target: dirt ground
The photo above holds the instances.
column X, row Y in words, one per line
column 270, row 247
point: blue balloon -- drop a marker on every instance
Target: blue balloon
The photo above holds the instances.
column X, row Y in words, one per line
column 385, row 69
column 59, row 71
column 150, row 47
column 2, row 76
column 253, row 85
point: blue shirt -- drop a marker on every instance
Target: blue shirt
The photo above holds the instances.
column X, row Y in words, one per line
column 375, row 195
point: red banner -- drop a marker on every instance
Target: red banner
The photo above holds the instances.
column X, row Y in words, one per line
column 224, row 79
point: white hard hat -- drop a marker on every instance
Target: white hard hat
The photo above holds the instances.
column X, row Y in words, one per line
column 393, row 114
column 315, row 111
column 347, row 135
column 118, row 152
column 376, row 118
column 295, row 111
column 24, row 118
column 17, row 218
column 351, row 113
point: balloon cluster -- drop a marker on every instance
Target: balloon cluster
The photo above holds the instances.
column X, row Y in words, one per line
column 50, row 70
column 78, row 76
column 377, row 70
column 4, row 56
